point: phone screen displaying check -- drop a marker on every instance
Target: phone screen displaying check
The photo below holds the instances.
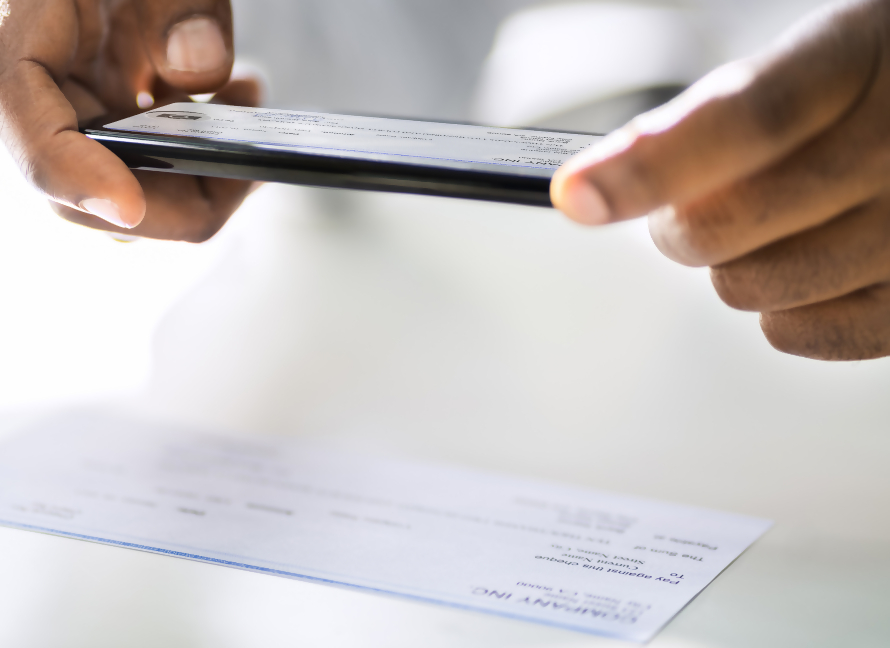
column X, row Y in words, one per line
column 531, row 152
column 462, row 160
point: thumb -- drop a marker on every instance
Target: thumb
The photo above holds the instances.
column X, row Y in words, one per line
column 189, row 42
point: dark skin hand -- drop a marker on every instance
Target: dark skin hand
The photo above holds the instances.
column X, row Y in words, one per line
column 65, row 62
column 775, row 172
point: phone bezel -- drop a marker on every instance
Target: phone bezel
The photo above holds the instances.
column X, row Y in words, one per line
column 223, row 159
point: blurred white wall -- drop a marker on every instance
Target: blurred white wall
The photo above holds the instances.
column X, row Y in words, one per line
column 551, row 59
column 424, row 58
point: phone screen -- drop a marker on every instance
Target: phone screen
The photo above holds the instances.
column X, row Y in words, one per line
column 531, row 152
column 380, row 153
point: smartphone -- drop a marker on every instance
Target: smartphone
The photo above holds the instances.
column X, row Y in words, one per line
column 373, row 153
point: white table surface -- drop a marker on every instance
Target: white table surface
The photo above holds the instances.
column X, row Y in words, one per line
column 492, row 336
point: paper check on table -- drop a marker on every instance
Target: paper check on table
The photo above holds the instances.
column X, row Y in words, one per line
column 571, row 557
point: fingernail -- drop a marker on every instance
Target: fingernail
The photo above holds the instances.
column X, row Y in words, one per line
column 581, row 202
column 123, row 238
column 104, row 209
column 145, row 100
column 196, row 45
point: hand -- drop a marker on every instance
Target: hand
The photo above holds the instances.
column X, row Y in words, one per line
column 774, row 171
column 65, row 62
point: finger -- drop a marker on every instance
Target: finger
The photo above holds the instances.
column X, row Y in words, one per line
column 245, row 91
column 186, row 208
column 86, row 105
column 123, row 76
column 86, row 219
column 735, row 121
column 837, row 258
column 180, row 207
column 842, row 168
column 853, row 327
column 189, row 42
column 39, row 126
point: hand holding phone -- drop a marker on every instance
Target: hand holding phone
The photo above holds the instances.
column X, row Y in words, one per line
column 65, row 62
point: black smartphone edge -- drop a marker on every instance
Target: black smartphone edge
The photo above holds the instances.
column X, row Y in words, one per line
column 196, row 156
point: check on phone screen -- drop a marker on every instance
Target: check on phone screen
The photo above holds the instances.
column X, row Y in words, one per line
column 458, row 160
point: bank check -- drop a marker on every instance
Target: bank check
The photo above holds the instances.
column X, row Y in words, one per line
column 587, row 560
